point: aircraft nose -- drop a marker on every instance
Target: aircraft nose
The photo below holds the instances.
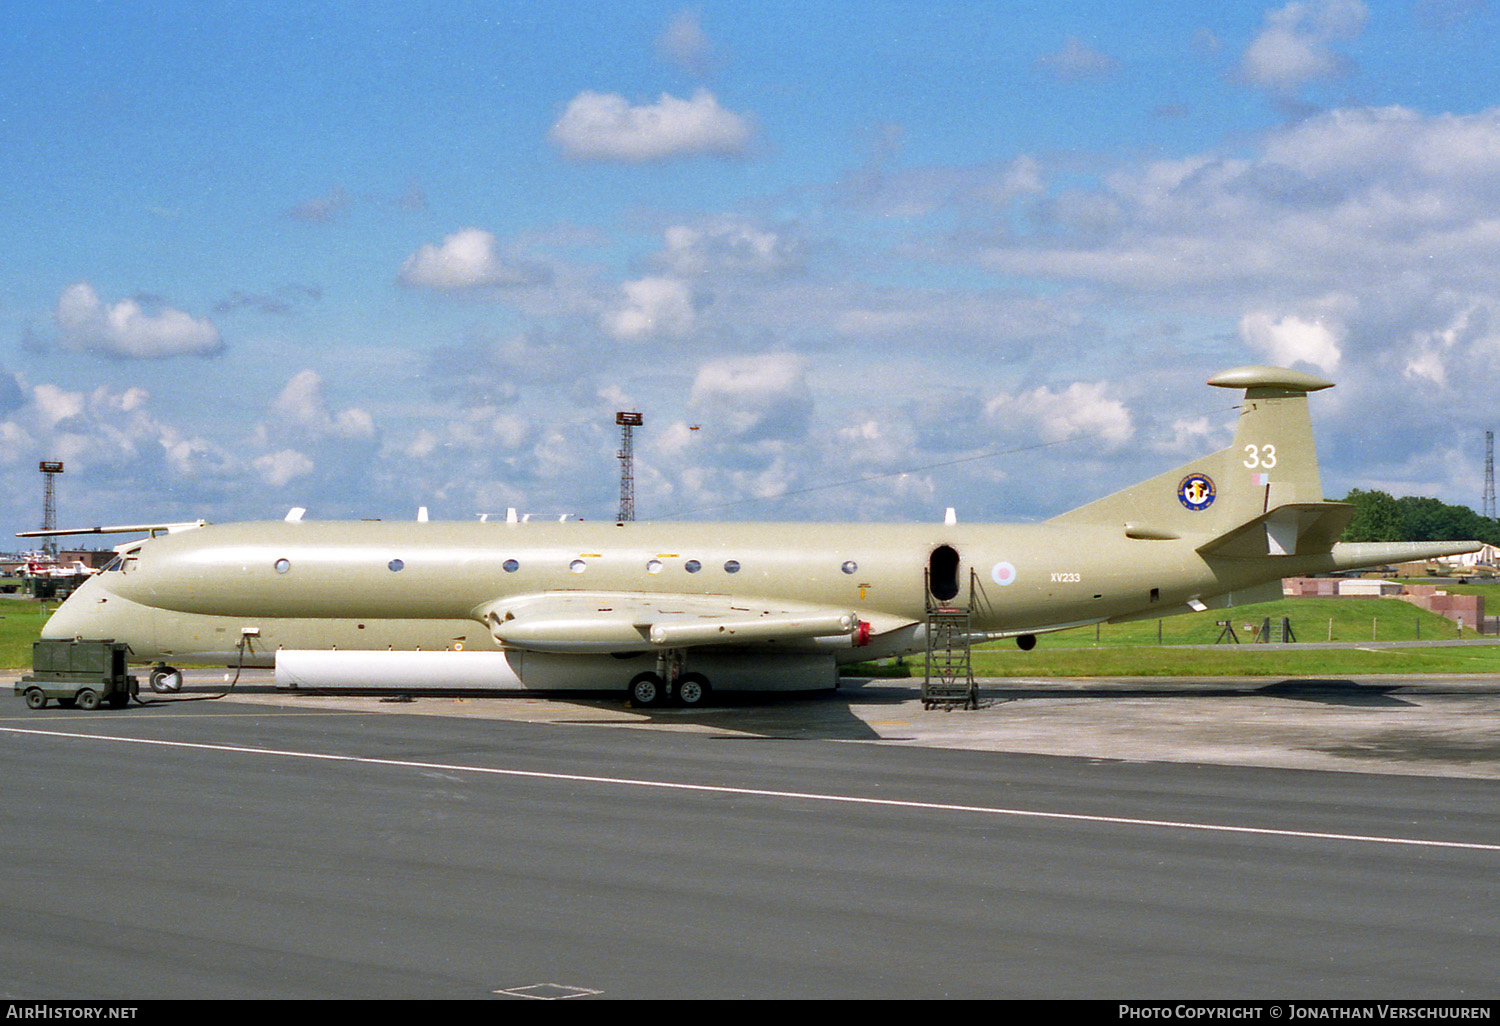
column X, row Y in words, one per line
column 87, row 613
column 62, row 624
column 68, row 620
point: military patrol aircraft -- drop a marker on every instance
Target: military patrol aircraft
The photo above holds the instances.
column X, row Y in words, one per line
column 668, row 611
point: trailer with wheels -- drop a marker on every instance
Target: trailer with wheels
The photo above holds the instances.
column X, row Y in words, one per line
column 81, row 674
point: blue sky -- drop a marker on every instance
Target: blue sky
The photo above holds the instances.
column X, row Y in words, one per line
column 367, row 257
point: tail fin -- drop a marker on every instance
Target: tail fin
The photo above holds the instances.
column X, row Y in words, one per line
column 1268, row 475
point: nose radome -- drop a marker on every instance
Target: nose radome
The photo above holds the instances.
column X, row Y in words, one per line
column 87, row 613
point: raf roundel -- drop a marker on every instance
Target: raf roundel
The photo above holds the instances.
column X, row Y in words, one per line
column 1196, row 492
column 1003, row 574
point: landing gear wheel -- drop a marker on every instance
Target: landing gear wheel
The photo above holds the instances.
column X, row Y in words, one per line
column 87, row 699
column 165, row 679
column 35, row 699
column 692, row 689
column 646, row 689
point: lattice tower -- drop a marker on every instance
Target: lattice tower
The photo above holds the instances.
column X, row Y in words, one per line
column 49, row 470
column 628, row 421
column 1489, row 474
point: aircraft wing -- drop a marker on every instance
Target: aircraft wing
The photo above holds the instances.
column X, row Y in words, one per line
column 579, row 621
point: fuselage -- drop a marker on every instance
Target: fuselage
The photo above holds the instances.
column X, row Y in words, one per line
column 418, row 585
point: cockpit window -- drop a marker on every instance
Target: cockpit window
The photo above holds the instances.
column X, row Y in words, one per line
column 114, row 564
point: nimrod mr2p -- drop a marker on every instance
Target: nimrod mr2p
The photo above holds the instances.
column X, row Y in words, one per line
column 672, row 610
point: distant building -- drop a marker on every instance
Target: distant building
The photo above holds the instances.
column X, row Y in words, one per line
column 94, row 559
column 1356, row 587
column 1465, row 609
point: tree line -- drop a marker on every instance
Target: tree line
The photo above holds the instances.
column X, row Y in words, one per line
column 1380, row 516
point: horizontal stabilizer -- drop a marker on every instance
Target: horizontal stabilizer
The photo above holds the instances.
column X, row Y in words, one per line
column 1295, row 529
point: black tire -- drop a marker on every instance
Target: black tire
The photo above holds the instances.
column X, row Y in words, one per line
column 119, row 699
column 646, row 689
column 87, row 699
column 35, row 698
column 692, row 690
column 165, row 680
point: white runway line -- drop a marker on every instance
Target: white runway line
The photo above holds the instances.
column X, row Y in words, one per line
column 753, row 792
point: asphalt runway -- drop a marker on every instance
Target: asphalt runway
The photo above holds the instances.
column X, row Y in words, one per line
column 1088, row 839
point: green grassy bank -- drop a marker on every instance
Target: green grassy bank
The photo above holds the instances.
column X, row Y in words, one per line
column 1128, row 650
column 21, row 621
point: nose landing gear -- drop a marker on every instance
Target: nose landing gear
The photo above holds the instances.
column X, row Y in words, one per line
column 165, row 679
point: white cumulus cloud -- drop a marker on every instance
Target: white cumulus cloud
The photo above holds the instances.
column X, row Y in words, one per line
column 652, row 307
column 606, row 127
column 729, row 244
column 301, row 405
column 1294, row 340
column 1081, row 409
column 278, row 468
column 755, row 397
column 125, row 329
column 1293, row 48
column 56, row 404
column 467, row 259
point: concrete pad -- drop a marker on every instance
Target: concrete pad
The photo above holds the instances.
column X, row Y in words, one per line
column 1433, row 726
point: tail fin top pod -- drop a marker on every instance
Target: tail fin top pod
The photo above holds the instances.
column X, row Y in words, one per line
column 1272, row 463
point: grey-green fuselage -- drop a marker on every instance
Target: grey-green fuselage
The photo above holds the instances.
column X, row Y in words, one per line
column 376, row 585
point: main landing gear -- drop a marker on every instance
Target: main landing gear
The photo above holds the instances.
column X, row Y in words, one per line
column 668, row 684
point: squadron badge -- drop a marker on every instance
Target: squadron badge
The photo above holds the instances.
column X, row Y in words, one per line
column 1196, row 492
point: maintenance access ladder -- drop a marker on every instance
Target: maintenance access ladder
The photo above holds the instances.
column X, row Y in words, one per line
column 949, row 678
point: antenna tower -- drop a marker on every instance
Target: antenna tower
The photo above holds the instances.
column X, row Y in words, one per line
column 50, row 469
column 628, row 421
column 1489, row 474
